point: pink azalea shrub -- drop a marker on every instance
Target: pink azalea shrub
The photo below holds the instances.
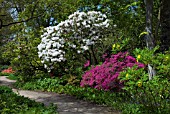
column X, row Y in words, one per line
column 105, row 76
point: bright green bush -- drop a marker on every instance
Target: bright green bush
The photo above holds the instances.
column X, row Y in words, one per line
column 151, row 96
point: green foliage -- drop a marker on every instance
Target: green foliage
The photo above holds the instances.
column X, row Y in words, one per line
column 140, row 95
column 50, row 110
column 12, row 77
column 152, row 96
column 145, row 98
column 121, row 45
column 128, row 18
column 42, row 84
column 71, row 79
column 160, row 61
column 21, row 51
column 22, row 54
column 130, row 21
column 5, row 89
column 11, row 103
column 2, row 67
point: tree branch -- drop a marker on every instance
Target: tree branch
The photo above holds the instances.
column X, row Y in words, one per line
column 31, row 17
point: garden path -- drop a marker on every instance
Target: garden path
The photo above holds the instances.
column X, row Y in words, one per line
column 66, row 104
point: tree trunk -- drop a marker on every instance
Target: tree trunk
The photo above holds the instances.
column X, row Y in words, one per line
column 149, row 36
column 165, row 24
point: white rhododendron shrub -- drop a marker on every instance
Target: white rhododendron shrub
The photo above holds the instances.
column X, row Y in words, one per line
column 78, row 32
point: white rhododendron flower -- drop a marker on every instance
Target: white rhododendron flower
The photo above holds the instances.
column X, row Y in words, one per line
column 83, row 28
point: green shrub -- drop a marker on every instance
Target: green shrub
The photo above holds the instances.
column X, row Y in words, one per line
column 5, row 89
column 22, row 55
column 151, row 96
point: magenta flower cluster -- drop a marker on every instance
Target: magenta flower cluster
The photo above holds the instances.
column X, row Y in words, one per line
column 105, row 76
column 87, row 64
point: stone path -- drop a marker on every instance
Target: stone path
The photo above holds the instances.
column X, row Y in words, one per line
column 66, row 104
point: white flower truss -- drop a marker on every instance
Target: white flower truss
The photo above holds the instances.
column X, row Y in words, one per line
column 78, row 32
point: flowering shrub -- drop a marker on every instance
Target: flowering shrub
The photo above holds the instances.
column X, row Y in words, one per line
column 105, row 76
column 152, row 95
column 77, row 33
column 9, row 71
